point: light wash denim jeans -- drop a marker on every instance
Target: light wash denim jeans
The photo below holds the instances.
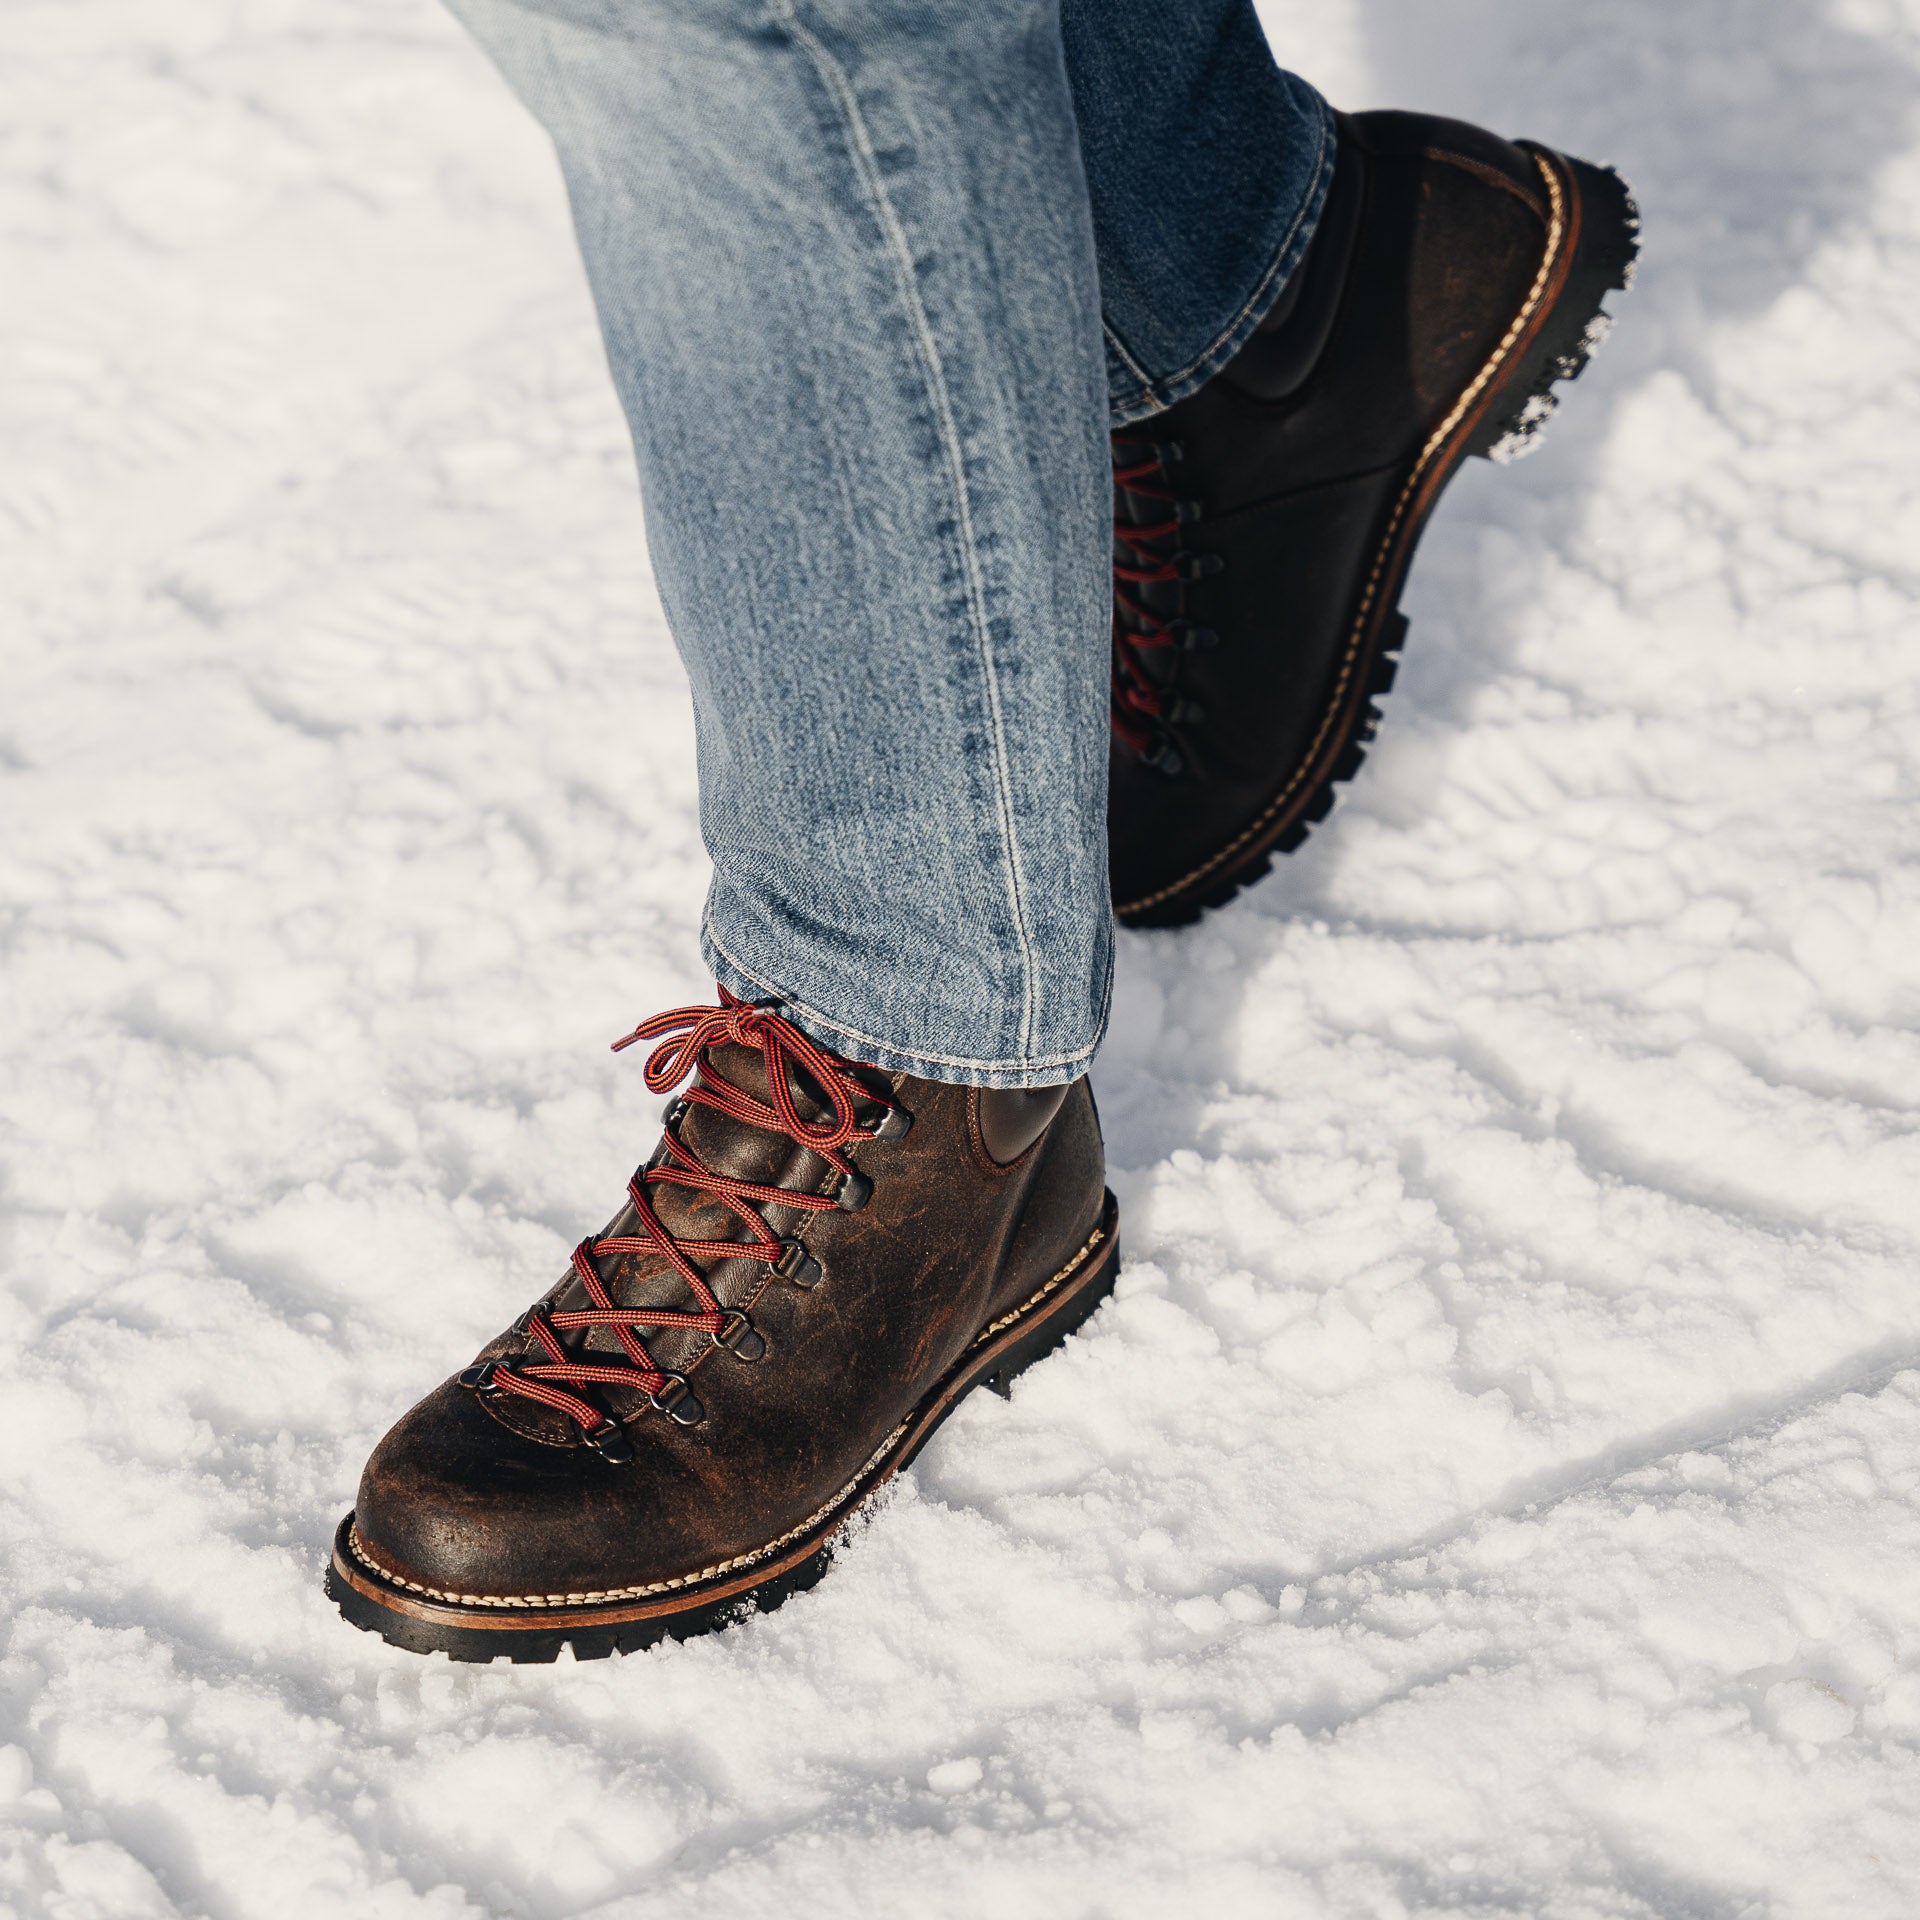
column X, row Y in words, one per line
column 875, row 277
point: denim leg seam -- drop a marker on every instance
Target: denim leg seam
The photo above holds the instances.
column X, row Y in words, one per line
column 860, row 145
column 1173, row 387
column 813, row 1015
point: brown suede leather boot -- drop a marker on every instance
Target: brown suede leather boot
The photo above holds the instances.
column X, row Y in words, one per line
column 817, row 1262
column 1264, row 525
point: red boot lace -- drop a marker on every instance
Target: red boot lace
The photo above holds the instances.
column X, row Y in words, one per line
column 1147, row 554
column 780, row 1045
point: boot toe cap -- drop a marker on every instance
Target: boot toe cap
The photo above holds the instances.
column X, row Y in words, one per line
column 454, row 1505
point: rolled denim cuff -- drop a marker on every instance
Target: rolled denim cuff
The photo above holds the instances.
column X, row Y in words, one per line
column 856, row 1026
column 1136, row 393
column 1157, row 359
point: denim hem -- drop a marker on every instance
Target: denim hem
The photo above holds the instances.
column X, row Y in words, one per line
column 1151, row 394
column 1047, row 1070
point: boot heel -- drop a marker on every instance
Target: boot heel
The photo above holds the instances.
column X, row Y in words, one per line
column 1013, row 1360
column 1605, row 230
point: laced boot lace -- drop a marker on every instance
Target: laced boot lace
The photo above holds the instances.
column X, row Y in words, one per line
column 1152, row 573
column 553, row 1370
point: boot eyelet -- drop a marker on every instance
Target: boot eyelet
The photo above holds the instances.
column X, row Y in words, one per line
column 479, row 1376
column 797, row 1265
column 855, row 1191
column 741, row 1338
column 676, row 1400
column 896, row 1125
column 1198, row 566
column 609, row 1440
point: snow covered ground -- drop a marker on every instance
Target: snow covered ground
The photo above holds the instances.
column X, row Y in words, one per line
column 1496, row 1487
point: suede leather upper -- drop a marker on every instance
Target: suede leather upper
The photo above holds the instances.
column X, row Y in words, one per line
column 1293, row 493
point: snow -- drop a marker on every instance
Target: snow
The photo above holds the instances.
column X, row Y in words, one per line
column 1495, row 1489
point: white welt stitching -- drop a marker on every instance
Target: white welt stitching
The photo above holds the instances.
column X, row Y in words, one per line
column 361, row 1552
column 739, row 1560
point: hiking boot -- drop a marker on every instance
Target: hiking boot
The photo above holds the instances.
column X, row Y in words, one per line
column 819, row 1259
column 1264, row 525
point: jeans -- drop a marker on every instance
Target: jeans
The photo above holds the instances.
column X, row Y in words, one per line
column 875, row 277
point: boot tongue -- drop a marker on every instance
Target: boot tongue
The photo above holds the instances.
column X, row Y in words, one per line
column 746, row 1068
column 720, row 1140
column 723, row 1145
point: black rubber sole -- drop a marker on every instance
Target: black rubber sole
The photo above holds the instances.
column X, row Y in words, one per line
column 1010, row 1358
column 1578, row 322
column 541, row 1647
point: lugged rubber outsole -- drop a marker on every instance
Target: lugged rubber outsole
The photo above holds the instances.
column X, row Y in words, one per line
column 998, row 1356
column 1604, row 245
